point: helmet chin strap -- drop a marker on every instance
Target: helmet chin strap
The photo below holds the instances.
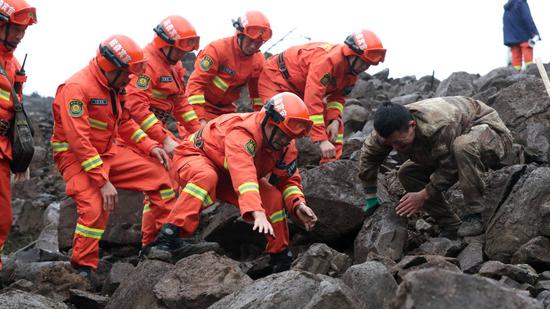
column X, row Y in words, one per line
column 273, row 132
column 352, row 64
column 169, row 54
column 7, row 34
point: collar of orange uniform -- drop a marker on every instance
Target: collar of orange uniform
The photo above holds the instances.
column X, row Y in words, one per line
column 96, row 72
column 155, row 53
column 5, row 53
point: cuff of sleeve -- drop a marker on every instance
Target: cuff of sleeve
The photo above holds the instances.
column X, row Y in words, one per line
column 293, row 201
column 319, row 133
column 246, row 213
column 99, row 179
column 432, row 191
column 370, row 189
column 147, row 144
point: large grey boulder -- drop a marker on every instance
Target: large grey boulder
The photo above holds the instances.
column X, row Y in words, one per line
column 521, row 273
column 372, row 282
column 335, row 194
column 199, row 281
column 523, row 216
column 124, row 227
column 435, row 289
column 16, row 299
column 137, row 290
column 535, row 252
column 458, row 83
column 383, row 233
column 322, row 259
column 493, row 77
column 524, row 107
column 292, row 289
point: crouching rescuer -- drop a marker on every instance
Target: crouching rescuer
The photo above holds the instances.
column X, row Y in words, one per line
column 229, row 160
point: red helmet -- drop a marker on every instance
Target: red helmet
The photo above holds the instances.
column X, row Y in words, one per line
column 177, row 32
column 289, row 113
column 254, row 25
column 119, row 52
column 366, row 45
column 17, row 12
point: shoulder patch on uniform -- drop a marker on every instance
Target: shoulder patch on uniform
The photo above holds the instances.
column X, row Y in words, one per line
column 206, row 63
column 250, row 147
column 325, row 79
column 143, row 82
column 166, row 79
column 75, row 108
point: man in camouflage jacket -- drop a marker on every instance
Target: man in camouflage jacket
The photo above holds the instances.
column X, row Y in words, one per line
column 445, row 140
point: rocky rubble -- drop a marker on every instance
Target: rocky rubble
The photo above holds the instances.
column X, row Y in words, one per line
column 347, row 261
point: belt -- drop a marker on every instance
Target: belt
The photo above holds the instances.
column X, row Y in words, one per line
column 4, row 127
column 282, row 66
column 161, row 115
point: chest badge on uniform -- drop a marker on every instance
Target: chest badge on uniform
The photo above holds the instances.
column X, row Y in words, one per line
column 227, row 70
column 143, row 82
column 95, row 101
column 206, row 63
column 75, row 108
column 250, row 147
column 166, row 79
column 325, row 80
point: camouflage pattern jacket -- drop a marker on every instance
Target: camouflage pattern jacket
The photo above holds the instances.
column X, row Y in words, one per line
column 439, row 122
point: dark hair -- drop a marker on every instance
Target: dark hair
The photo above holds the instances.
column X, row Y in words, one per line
column 391, row 117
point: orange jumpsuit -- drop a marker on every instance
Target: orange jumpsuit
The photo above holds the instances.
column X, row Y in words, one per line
column 151, row 98
column 89, row 117
column 319, row 74
column 220, row 71
column 10, row 64
column 231, row 165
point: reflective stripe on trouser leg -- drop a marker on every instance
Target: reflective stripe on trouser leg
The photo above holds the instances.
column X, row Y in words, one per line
column 272, row 200
column 5, row 203
column 197, row 193
column 414, row 178
column 91, row 223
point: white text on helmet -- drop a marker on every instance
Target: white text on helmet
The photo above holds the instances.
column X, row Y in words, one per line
column 278, row 105
column 121, row 53
column 244, row 21
column 360, row 40
column 169, row 27
column 6, row 8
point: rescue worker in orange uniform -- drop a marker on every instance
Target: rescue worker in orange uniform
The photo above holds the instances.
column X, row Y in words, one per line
column 322, row 74
column 15, row 17
column 159, row 92
column 225, row 65
column 229, row 158
column 89, row 118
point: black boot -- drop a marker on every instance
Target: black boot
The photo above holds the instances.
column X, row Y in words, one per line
column 168, row 246
column 166, row 241
column 281, row 261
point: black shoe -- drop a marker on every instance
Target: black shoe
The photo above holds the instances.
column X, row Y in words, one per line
column 168, row 246
column 84, row 272
column 472, row 225
column 449, row 232
column 281, row 261
column 165, row 242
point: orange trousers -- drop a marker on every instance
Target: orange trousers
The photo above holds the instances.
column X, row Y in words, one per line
column 5, row 203
column 203, row 182
column 127, row 170
column 521, row 52
column 268, row 88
